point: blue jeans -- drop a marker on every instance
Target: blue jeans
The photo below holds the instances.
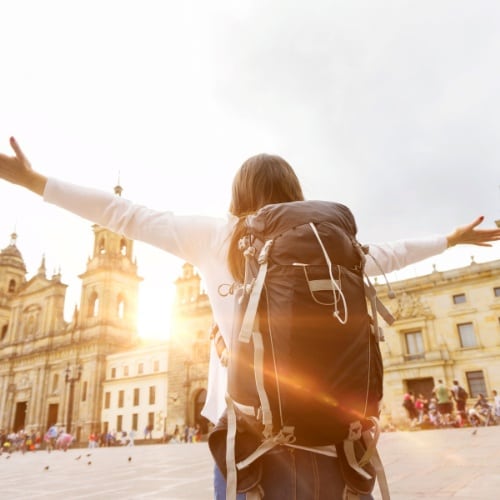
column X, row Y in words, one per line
column 294, row 474
column 220, row 486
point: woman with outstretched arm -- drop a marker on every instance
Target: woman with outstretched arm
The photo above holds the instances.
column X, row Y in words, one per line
column 211, row 244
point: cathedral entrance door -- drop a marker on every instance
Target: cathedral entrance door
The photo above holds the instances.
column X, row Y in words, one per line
column 421, row 386
column 20, row 416
column 52, row 415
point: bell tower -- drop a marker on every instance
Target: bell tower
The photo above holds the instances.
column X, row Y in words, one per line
column 110, row 285
column 12, row 278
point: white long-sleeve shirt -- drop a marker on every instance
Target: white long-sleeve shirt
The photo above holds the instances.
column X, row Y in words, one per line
column 203, row 241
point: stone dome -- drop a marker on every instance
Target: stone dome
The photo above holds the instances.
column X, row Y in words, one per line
column 11, row 256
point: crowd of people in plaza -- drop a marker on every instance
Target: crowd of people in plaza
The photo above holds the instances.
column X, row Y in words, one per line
column 55, row 438
column 451, row 407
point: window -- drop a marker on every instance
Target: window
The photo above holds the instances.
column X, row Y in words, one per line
column 102, row 246
column 476, row 383
column 136, row 396
column 84, row 391
column 119, row 423
column 152, row 395
column 151, row 419
column 12, row 286
column 107, row 400
column 55, row 382
column 93, row 309
column 140, row 368
column 121, row 398
column 414, row 344
column 467, row 336
column 3, row 334
column 113, row 372
column 120, row 310
column 125, row 371
column 459, row 298
column 156, row 365
column 123, row 247
column 496, row 291
column 135, row 421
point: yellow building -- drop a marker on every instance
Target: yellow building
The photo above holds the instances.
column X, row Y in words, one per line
column 51, row 370
column 447, row 327
column 189, row 352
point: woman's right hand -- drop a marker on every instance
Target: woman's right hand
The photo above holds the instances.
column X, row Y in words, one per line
column 471, row 235
column 17, row 170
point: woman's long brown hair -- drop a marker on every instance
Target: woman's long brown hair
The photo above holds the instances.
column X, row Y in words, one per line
column 261, row 180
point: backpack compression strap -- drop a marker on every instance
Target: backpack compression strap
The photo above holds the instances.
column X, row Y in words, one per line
column 255, row 291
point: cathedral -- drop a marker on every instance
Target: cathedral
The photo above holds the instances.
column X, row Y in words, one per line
column 52, row 370
column 93, row 374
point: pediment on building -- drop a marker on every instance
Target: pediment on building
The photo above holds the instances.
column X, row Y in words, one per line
column 35, row 284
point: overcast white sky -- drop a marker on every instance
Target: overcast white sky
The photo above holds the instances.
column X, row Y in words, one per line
column 391, row 107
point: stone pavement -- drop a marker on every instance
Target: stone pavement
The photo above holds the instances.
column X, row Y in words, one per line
column 433, row 464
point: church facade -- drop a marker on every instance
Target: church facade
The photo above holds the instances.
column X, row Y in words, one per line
column 52, row 370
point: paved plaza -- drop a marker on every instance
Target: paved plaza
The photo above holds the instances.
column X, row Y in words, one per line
column 433, row 464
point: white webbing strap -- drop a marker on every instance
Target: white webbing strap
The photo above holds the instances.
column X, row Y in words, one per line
column 254, row 494
column 258, row 367
column 284, row 437
column 377, row 305
column 253, row 304
column 332, row 279
column 231, row 478
column 371, row 455
column 375, row 460
column 322, row 285
column 355, row 433
column 352, row 460
column 349, row 495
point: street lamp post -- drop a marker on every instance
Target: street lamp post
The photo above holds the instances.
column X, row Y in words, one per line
column 71, row 380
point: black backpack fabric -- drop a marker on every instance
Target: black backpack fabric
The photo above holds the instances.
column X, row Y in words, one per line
column 321, row 371
column 462, row 395
column 304, row 360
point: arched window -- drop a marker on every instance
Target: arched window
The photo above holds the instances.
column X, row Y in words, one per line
column 3, row 332
column 123, row 246
column 121, row 307
column 12, row 286
column 102, row 246
column 93, row 310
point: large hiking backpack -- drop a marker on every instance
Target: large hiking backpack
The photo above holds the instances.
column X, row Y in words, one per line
column 304, row 367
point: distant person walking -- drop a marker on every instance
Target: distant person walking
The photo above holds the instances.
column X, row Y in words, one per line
column 131, row 438
column 148, row 431
column 444, row 401
column 51, row 437
column 411, row 410
column 460, row 396
column 496, row 404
